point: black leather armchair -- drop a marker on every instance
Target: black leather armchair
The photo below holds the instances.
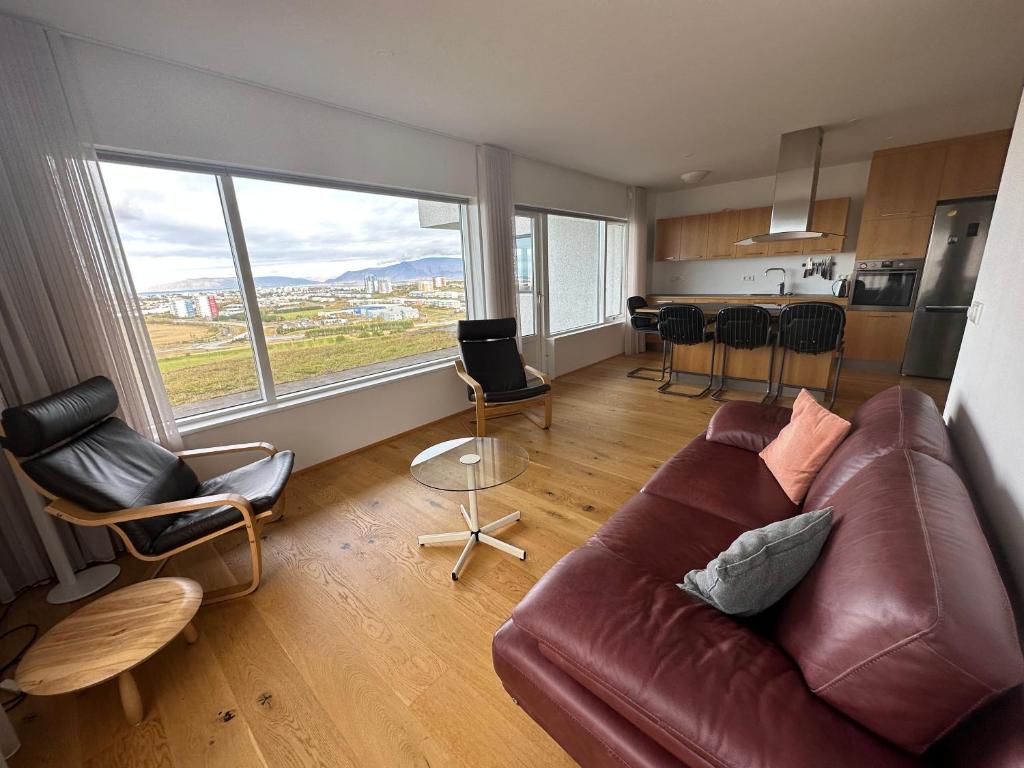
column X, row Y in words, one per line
column 95, row 470
column 495, row 372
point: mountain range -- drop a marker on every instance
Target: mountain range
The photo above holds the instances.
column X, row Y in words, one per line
column 416, row 269
column 228, row 283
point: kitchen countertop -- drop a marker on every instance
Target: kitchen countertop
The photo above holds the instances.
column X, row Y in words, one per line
column 767, row 298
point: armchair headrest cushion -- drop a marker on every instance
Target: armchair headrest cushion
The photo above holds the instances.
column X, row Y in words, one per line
column 485, row 330
column 36, row 426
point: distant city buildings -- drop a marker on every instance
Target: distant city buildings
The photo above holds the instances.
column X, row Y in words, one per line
column 370, row 283
column 384, row 285
column 183, row 308
column 424, row 285
column 440, row 282
column 202, row 306
column 386, row 312
column 207, row 306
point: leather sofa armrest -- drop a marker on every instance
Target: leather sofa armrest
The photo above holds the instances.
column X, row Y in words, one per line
column 747, row 425
column 708, row 689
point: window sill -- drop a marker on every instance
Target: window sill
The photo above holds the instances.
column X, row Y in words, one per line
column 587, row 328
column 195, row 424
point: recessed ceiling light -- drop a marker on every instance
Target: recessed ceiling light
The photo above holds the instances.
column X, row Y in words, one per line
column 888, row 138
column 384, row 52
column 692, row 177
column 688, row 155
column 853, row 120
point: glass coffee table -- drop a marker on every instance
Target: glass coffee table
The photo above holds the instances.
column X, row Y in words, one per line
column 471, row 464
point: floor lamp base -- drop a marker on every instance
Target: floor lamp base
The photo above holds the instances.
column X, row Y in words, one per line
column 86, row 582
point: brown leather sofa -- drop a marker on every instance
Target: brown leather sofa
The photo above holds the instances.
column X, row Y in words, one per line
column 899, row 648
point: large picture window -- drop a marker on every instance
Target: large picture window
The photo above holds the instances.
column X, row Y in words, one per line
column 342, row 283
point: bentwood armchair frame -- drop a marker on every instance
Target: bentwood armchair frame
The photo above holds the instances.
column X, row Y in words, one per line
column 486, row 410
column 251, row 522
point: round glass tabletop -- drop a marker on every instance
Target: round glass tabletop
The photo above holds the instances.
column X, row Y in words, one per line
column 470, row 464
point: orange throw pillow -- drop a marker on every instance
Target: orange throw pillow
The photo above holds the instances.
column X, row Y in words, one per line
column 803, row 446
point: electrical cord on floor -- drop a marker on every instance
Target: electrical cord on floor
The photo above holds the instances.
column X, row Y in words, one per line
column 18, row 697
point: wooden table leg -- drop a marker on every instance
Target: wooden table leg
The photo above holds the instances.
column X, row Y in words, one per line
column 131, row 701
column 190, row 633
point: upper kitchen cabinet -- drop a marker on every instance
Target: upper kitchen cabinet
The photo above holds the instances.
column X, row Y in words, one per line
column 666, row 239
column 750, row 222
column 904, row 182
column 722, row 229
column 786, row 248
column 974, row 165
column 693, row 237
column 896, row 238
column 828, row 216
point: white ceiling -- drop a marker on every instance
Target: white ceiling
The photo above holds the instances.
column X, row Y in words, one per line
column 633, row 90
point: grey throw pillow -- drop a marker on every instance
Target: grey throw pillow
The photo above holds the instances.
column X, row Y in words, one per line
column 761, row 565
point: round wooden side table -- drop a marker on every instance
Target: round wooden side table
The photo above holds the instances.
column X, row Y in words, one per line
column 109, row 637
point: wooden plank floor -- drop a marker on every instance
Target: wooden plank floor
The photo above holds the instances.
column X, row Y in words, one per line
column 359, row 650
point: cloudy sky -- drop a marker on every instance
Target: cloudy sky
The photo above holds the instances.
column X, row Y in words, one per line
column 172, row 227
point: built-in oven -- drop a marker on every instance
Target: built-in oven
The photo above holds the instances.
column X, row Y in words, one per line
column 889, row 284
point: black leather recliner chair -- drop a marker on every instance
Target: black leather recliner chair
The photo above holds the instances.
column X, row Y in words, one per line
column 495, row 372
column 95, row 470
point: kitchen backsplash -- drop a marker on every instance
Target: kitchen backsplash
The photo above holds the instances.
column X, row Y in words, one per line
column 727, row 275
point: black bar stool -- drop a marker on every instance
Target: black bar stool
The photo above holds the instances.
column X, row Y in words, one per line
column 644, row 324
column 812, row 328
column 743, row 328
column 686, row 325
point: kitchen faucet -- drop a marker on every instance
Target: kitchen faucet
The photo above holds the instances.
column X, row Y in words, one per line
column 782, row 285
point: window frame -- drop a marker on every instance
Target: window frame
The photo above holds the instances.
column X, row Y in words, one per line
column 224, row 176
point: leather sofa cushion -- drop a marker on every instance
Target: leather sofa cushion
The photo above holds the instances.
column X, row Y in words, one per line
column 706, row 688
column 728, row 482
column 594, row 734
column 665, row 537
column 36, row 426
column 896, row 418
column 903, row 624
column 747, row 425
column 993, row 737
column 113, row 467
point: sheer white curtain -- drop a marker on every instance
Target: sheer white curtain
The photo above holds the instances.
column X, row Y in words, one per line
column 497, row 229
column 636, row 268
column 67, row 307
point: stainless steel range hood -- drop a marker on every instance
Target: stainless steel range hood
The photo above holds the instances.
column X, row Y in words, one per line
column 796, row 181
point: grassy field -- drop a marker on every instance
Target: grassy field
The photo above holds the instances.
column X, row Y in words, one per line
column 199, row 376
column 167, row 333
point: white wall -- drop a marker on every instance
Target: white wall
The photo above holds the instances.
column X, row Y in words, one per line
column 572, row 351
column 541, row 185
column 985, row 410
column 726, row 275
column 140, row 104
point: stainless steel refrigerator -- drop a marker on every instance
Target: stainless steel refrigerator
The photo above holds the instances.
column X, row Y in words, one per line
column 947, row 286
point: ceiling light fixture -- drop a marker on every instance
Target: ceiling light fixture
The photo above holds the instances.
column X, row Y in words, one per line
column 693, row 177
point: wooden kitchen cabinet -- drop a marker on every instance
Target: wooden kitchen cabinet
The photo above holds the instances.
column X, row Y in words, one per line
column 722, row 229
column 876, row 336
column 904, row 182
column 828, row 216
column 666, row 239
column 974, row 165
column 786, row 248
column 750, row 222
column 693, row 237
column 905, row 238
